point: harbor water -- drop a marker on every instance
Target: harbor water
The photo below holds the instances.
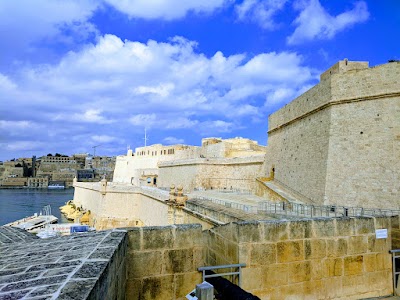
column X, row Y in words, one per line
column 16, row 204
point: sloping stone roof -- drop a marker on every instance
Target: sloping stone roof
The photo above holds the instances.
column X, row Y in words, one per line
column 67, row 267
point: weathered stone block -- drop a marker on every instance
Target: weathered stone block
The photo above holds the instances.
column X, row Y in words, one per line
column 187, row 235
column 244, row 253
column 248, row 232
column 133, row 289
column 274, row 275
column 353, row 265
column 146, row 263
column 314, row 289
column 178, row 261
column 232, row 252
column 382, row 222
column 262, row 254
column 383, row 261
column 158, row 288
column 315, row 248
column 134, row 238
column 334, row 267
column 276, row 231
column 333, row 287
column 229, row 231
column 357, row 244
column 322, row 228
column 300, row 229
column 336, row 247
column 184, row 283
column 299, row 271
column 395, row 221
column 198, row 257
column 370, row 263
column 345, row 226
column 290, row 251
column 380, row 282
column 318, row 269
column 292, row 291
column 354, row 285
column 364, row 225
column 251, row 279
column 378, row 245
column 158, row 237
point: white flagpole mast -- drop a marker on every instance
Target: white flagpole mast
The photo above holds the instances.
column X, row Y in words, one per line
column 145, row 137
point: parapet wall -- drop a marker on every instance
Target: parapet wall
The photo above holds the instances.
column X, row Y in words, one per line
column 162, row 261
column 307, row 259
column 218, row 173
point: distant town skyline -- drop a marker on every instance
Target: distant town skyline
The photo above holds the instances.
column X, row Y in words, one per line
column 79, row 74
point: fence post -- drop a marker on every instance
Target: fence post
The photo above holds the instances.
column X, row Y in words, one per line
column 204, row 291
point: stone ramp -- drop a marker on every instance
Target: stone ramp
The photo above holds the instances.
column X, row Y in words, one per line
column 286, row 193
column 78, row 266
column 223, row 213
column 10, row 235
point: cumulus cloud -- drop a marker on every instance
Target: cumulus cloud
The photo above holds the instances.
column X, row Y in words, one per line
column 314, row 22
column 115, row 88
column 45, row 21
column 261, row 12
column 103, row 138
column 165, row 9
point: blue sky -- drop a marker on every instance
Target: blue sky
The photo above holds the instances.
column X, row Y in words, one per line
column 80, row 73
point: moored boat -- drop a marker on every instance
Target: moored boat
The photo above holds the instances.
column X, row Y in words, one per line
column 36, row 222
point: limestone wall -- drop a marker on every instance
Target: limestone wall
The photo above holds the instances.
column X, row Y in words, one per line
column 120, row 207
column 235, row 173
column 363, row 168
column 162, row 261
column 307, row 259
column 338, row 143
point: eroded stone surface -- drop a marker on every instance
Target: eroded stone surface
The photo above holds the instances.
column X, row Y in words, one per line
column 68, row 267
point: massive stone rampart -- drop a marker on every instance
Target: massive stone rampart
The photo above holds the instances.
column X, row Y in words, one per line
column 338, row 143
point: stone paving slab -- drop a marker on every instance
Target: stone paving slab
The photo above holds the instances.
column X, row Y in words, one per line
column 10, row 235
column 65, row 267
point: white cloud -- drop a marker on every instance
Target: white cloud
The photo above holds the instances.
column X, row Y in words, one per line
column 115, row 88
column 23, row 145
column 314, row 22
column 162, row 89
column 171, row 140
column 165, row 9
column 261, row 12
column 28, row 22
column 6, row 83
column 103, row 138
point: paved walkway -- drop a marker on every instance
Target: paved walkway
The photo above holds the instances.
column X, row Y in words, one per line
column 65, row 267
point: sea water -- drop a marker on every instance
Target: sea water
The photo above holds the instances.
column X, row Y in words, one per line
column 16, row 204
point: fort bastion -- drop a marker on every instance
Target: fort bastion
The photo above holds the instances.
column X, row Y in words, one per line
column 339, row 142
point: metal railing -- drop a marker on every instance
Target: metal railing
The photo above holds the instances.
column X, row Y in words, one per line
column 299, row 210
column 211, row 268
column 229, row 204
column 312, row 211
column 395, row 255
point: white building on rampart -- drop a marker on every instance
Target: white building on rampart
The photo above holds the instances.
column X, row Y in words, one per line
column 159, row 165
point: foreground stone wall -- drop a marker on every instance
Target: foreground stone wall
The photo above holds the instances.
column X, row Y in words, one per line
column 80, row 266
column 162, row 261
column 307, row 259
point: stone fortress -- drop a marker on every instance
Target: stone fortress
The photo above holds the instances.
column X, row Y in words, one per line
column 339, row 143
column 303, row 213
